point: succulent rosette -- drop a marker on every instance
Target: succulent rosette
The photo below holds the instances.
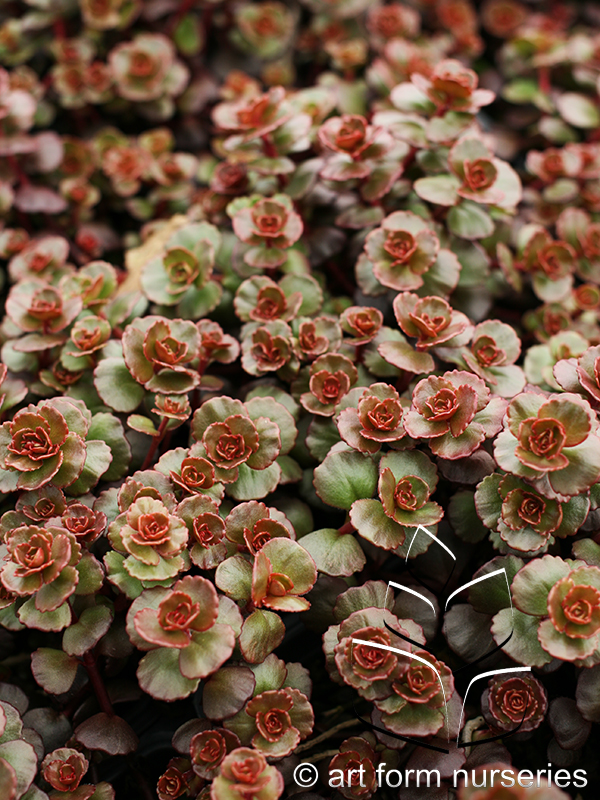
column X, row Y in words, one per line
column 315, row 337
column 452, row 86
column 43, row 443
column 362, row 323
column 181, row 626
column 264, row 29
column 42, row 259
column 146, row 69
column 243, row 442
column 209, row 747
column 365, row 667
column 526, row 521
column 262, row 300
column 376, row 420
column 64, row 770
column 557, row 609
column 491, row 355
column 581, row 375
column 550, row 263
column 406, row 482
column 181, row 277
column 245, row 772
column 206, row 531
column 356, row 761
column 454, row 413
column 36, row 306
column 354, row 148
column 267, row 348
column 283, row 571
column 551, row 442
column 152, row 540
column 269, row 225
column 330, row 377
column 158, row 353
column 401, row 250
column 274, row 722
column 251, row 525
column 420, row 691
column 45, row 565
column 429, row 320
column 514, row 701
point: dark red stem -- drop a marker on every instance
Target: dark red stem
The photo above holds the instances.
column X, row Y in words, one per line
column 91, row 666
column 156, row 440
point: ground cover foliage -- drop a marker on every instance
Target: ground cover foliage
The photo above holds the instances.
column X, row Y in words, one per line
column 287, row 286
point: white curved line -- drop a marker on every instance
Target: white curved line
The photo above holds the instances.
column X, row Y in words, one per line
column 417, row 658
column 410, row 591
column 433, row 536
column 486, row 675
column 478, row 580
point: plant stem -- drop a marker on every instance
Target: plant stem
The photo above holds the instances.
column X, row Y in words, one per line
column 347, row 527
column 349, row 723
column 156, row 440
column 321, row 756
column 91, row 666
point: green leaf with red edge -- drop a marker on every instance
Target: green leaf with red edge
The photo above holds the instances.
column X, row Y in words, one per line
column 116, row 387
column 98, row 459
column 372, row 523
column 22, row 758
column 207, row 651
column 532, row 584
column 345, row 477
column 142, row 424
column 523, row 646
column 227, row 691
column 92, row 625
column 53, row 670
column 403, row 356
column 44, row 620
column 334, row 553
column 469, row 221
column 262, row 632
column 438, row 189
column 578, row 110
column 254, row 484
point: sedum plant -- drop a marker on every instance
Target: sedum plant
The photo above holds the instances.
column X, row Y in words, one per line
column 299, row 397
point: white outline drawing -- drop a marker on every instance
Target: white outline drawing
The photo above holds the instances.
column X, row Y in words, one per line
column 402, row 587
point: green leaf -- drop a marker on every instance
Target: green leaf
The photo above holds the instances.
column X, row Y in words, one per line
column 254, row 484
column 438, row 189
column 54, row 670
column 98, row 458
column 188, row 35
column 578, row 110
column 45, row 620
column 372, row 523
column 491, row 595
column 463, row 517
column 227, row 691
column 117, row 389
column 91, row 575
column 86, row 633
column 118, row 575
column 334, row 554
column 22, row 758
column 470, row 221
column 109, row 429
column 532, row 584
column 262, row 632
column 234, row 577
column 344, row 478
column 523, row 646
column 142, row 424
